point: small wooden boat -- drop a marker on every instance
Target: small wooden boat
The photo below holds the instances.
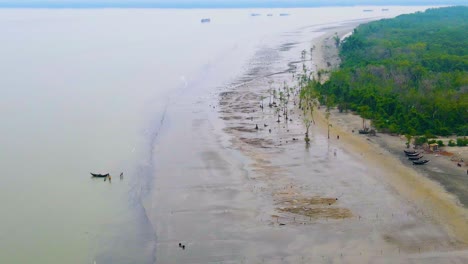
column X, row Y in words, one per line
column 412, row 154
column 409, row 151
column 364, row 131
column 415, row 158
column 99, row 175
column 420, row 162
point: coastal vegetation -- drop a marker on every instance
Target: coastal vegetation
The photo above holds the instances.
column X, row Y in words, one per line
column 409, row 75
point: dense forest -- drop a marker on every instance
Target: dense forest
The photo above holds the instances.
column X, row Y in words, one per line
column 409, row 75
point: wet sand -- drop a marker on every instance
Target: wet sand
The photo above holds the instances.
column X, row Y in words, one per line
column 232, row 193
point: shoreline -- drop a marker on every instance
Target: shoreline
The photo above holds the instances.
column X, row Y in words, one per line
column 235, row 185
column 295, row 193
column 442, row 205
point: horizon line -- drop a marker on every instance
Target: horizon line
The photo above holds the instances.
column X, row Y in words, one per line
column 200, row 6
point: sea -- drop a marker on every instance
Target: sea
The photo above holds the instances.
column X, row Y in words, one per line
column 85, row 90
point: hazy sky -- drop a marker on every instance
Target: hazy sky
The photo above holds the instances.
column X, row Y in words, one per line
column 217, row 3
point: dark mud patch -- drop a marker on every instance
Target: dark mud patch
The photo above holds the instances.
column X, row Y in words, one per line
column 245, row 109
column 231, row 117
column 227, row 95
column 240, row 129
column 225, row 112
column 258, row 142
column 249, row 97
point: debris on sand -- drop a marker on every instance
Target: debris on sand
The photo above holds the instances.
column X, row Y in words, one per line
column 310, row 201
column 324, row 212
column 316, row 207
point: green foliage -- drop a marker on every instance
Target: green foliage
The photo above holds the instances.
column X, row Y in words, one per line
column 440, row 143
column 462, row 142
column 337, row 40
column 418, row 141
column 451, row 143
column 408, row 74
column 408, row 139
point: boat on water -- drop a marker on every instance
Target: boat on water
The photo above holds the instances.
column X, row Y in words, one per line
column 367, row 10
column 420, row 162
column 255, row 14
column 412, row 154
column 385, row 9
column 284, row 14
column 415, row 157
column 206, row 20
column 409, row 151
column 99, row 175
column 269, row 14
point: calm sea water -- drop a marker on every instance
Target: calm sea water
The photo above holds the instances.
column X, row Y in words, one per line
column 84, row 91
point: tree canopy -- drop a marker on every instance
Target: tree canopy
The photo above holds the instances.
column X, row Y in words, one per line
column 408, row 74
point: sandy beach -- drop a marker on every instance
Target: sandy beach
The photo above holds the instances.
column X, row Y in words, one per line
column 238, row 186
column 439, row 188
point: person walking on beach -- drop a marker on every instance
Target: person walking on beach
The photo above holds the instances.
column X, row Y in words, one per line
column 121, row 176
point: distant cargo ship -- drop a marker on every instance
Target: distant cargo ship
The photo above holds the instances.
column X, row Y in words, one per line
column 269, row 14
column 284, row 14
column 384, row 9
column 255, row 14
column 206, row 20
column 368, row 10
